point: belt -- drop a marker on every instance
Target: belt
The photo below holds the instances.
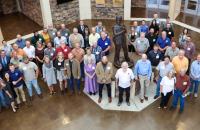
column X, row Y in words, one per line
column 143, row 74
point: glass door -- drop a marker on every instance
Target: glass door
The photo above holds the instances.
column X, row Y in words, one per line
column 164, row 4
column 191, row 6
column 152, row 3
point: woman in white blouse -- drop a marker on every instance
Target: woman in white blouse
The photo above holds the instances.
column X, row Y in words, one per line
column 166, row 88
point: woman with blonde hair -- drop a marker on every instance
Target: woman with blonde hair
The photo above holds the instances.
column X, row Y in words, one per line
column 60, row 70
column 167, row 86
column 49, row 74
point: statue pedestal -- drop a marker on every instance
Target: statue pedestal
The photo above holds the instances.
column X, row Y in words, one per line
column 121, row 59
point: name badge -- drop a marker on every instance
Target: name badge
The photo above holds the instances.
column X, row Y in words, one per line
column 66, row 34
column 154, row 40
column 67, row 64
column 65, row 50
column 184, row 83
column 54, row 33
column 139, row 41
column 16, row 74
column 166, row 40
column 157, row 56
column 106, row 43
column 162, row 67
column 170, row 33
column 51, row 54
column 108, row 68
column 24, row 68
column 97, row 53
column 93, row 67
column 188, row 49
column 136, row 33
column 40, row 39
column 157, row 22
column 59, row 64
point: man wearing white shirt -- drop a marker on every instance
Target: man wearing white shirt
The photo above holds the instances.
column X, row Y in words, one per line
column 124, row 78
column 93, row 36
column 29, row 50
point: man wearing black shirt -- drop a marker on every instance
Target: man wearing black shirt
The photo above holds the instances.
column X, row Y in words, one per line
column 155, row 57
column 152, row 37
column 169, row 31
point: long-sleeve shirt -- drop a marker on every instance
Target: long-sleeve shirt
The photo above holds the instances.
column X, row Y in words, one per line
column 143, row 68
column 195, row 70
column 189, row 50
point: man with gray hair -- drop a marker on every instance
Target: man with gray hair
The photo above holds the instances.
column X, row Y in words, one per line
column 124, row 77
column 181, row 87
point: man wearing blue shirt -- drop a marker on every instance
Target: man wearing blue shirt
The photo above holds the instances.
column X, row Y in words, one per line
column 195, row 76
column 143, row 71
column 15, row 77
column 164, row 42
column 20, row 41
column 144, row 28
column 104, row 43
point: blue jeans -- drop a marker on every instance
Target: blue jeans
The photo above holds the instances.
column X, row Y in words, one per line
column 178, row 94
column 82, row 69
column 2, row 99
column 195, row 85
column 33, row 83
column 158, row 86
column 71, row 84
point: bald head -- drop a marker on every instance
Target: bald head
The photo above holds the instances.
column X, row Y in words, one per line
column 144, row 57
column 104, row 60
column 181, row 54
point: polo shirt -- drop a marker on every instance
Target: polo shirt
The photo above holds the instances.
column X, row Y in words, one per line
column 182, row 82
column 180, row 63
column 104, row 43
column 93, row 38
column 14, row 76
column 163, row 42
column 144, row 28
column 172, row 52
column 164, row 68
column 124, row 77
column 154, row 57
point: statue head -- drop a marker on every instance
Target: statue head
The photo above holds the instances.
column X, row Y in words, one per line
column 118, row 19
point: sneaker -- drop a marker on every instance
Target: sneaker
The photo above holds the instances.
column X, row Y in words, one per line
column 14, row 110
column 195, row 95
column 119, row 104
column 156, row 96
column 128, row 103
column 159, row 107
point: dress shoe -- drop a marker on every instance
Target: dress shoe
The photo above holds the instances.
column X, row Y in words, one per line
column 128, row 103
column 156, row 96
column 109, row 100
column 141, row 100
column 99, row 100
column 146, row 98
column 40, row 96
column 119, row 104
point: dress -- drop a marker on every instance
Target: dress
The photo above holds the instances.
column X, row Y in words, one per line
column 49, row 74
column 90, row 84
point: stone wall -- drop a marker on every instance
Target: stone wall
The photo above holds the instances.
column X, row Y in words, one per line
column 32, row 9
column 107, row 12
column 64, row 13
column 138, row 3
column 8, row 6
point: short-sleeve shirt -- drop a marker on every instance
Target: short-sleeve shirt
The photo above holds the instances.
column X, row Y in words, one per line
column 28, row 70
column 167, row 84
column 124, row 77
column 14, row 76
column 164, row 68
column 163, row 42
column 104, row 43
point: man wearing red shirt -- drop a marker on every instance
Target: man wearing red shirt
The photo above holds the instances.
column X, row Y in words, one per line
column 64, row 49
column 181, row 88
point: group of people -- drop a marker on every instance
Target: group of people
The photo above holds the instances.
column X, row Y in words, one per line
column 70, row 58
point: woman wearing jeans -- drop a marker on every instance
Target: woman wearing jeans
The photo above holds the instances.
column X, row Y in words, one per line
column 166, row 88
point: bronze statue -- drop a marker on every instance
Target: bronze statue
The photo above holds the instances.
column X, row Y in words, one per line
column 119, row 38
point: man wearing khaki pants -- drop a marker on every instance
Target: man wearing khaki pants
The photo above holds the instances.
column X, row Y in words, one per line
column 143, row 71
column 15, row 77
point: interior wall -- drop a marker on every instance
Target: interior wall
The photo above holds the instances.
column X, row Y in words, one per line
column 64, row 13
column 8, row 6
column 107, row 12
column 32, row 9
column 138, row 3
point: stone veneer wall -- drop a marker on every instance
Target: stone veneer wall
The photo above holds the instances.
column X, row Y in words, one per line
column 107, row 12
column 8, row 6
column 138, row 3
column 64, row 13
column 32, row 9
